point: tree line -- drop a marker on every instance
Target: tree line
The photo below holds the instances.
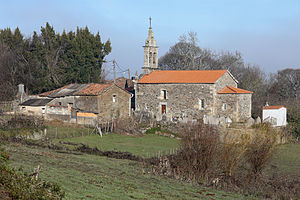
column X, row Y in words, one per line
column 49, row 60
column 281, row 88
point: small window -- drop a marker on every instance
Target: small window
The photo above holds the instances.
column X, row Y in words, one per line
column 43, row 110
column 201, row 103
column 224, row 106
column 23, row 108
column 59, row 103
column 163, row 109
column 164, row 94
column 114, row 98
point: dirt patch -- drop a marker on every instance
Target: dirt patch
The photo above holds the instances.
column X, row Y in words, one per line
column 111, row 154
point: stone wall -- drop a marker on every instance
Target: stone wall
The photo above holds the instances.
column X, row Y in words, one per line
column 245, row 106
column 225, row 80
column 87, row 103
column 182, row 100
column 108, row 109
column 63, row 101
column 235, row 106
column 32, row 110
column 56, row 112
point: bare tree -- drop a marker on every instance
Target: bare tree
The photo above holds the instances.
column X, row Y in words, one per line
column 286, row 84
column 187, row 55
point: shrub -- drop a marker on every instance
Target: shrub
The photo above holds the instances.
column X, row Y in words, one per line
column 195, row 159
column 231, row 151
column 21, row 186
column 261, row 147
column 293, row 118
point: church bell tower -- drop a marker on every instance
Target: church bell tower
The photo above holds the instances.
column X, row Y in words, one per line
column 150, row 53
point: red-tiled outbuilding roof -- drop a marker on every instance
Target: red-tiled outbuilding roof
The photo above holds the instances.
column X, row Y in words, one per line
column 233, row 90
column 273, row 107
column 93, row 89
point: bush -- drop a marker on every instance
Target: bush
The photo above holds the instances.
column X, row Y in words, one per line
column 293, row 118
column 195, row 159
column 260, row 149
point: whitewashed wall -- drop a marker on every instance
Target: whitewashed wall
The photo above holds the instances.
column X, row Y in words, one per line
column 279, row 114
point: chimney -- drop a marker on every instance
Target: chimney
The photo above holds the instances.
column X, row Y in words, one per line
column 21, row 92
column 21, row 89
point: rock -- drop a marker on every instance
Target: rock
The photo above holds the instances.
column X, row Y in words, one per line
column 258, row 120
column 250, row 122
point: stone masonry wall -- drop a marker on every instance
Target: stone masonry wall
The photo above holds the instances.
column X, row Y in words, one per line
column 235, row 106
column 87, row 103
column 245, row 106
column 223, row 81
column 109, row 109
column 183, row 100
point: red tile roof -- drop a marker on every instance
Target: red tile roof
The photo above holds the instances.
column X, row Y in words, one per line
column 93, row 89
column 233, row 90
column 273, row 107
column 121, row 82
column 183, row 76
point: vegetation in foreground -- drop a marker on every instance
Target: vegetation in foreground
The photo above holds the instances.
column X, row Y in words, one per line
column 85, row 176
column 17, row 185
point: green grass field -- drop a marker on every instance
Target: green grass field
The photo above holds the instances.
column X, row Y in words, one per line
column 146, row 145
column 94, row 177
column 286, row 160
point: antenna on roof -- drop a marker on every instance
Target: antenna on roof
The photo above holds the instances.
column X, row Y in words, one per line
column 150, row 21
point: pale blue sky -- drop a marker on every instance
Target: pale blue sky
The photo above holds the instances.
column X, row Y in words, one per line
column 266, row 32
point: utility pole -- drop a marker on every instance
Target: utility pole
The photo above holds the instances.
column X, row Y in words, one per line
column 114, row 62
column 128, row 73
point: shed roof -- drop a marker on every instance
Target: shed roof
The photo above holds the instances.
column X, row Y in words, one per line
column 76, row 89
column 36, row 102
column 233, row 90
column 93, row 89
column 273, row 107
column 182, row 76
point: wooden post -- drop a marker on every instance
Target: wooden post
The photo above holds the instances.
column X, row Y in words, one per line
column 56, row 133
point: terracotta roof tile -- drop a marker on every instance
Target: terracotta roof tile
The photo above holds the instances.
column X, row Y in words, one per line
column 93, row 89
column 273, row 107
column 121, row 82
column 183, row 76
column 233, row 90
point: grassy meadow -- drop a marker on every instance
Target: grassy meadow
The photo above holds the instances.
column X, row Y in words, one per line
column 145, row 146
column 93, row 177
column 84, row 176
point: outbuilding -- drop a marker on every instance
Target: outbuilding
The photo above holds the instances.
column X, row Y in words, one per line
column 275, row 115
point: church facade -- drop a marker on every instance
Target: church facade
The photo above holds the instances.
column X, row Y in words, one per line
column 188, row 95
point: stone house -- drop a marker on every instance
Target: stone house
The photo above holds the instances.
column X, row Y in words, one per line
column 188, row 95
column 36, row 107
column 192, row 95
column 85, row 103
column 275, row 115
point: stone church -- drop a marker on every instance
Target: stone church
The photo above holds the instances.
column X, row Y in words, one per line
column 184, row 95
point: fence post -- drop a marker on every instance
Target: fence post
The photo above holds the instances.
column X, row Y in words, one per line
column 55, row 132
